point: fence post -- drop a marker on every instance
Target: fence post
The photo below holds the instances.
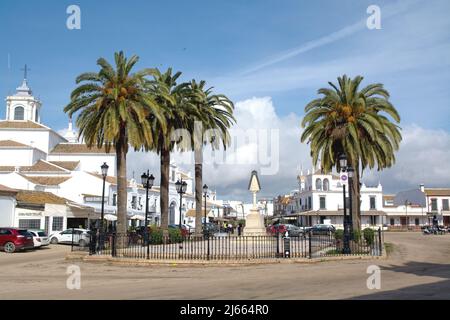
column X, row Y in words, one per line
column 380, row 243
column 310, row 242
column 148, row 244
column 207, row 236
column 113, row 245
column 278, row 244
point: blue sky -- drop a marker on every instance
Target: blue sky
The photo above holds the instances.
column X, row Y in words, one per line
column 282, row 50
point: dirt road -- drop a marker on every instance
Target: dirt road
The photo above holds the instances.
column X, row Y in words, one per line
column 419, row 268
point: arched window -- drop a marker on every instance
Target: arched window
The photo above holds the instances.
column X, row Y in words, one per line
column 326, row 185
column 318, row 184
column 19, row 113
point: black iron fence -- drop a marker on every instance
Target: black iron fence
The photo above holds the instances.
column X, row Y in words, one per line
column 307, row 245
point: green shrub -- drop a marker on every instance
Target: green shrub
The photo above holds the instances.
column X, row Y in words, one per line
column 356, row 236
column 369, row 235
column 175, row 235
column 156, row 235
column 339, row 234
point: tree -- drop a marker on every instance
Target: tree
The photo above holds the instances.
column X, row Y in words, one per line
column 354, row 122
column 178, row 112
column 114, row 106
column 214, row 118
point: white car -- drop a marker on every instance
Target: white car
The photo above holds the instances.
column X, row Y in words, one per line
column 76, row 236
column 40, row 238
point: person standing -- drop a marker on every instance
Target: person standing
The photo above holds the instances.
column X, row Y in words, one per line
column 239, row 229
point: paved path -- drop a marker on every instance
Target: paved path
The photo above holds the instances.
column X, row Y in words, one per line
column 419, row 268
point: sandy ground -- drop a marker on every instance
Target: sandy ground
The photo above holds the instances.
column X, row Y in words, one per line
column 419, row 268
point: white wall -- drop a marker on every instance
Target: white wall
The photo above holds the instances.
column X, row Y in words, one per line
column 20, row 157
column 88, row 162
column 37, row 138
column 7, row 207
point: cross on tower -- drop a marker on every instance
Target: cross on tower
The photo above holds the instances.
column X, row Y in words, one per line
column 25, row 71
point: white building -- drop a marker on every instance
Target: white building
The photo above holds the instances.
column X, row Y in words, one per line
column 320, row 199
column 33, row 157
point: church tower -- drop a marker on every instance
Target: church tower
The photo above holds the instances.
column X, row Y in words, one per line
column 23, row 106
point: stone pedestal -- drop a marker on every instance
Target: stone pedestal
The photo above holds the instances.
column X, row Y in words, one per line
column 254, row 224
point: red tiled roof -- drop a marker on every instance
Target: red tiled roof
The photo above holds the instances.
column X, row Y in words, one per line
column 68, row 165
column 41, row 166
column 39, row 197
column 45, row 180
column 439, row 192
column 12, row 144
column 21, row 125
column 75, row 148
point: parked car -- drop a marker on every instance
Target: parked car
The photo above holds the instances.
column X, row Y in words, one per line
column 14, row 239
column 322, row 229
column 78, row 236
column 40, row 238
column 211, row 228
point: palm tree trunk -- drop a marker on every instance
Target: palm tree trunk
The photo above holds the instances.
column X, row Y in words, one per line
column 164, row 196
column 121, row 161
column 198, row 189
column 356, row 207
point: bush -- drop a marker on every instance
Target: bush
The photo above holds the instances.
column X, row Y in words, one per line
column 369, row 235
column 175, row 235
column 356, row 236
column 339, row 234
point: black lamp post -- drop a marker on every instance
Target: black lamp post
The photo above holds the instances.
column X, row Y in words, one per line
column 147, row 180
column 351, row 172
column 205, row 193
column 181, row 187
column 343, row 165
column 104, row 168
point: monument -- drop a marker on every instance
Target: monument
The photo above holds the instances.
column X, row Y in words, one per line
column 254, row 221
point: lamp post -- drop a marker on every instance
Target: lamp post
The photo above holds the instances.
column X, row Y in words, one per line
column 181, row 187
column 147, row 180
column 343, row 165
column 104, row 169
column 205, row 193
column 350, row 172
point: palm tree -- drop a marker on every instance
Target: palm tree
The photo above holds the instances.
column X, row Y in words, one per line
column 216, row 117
column 174, row 100
column 114, row 106
column 350, row 121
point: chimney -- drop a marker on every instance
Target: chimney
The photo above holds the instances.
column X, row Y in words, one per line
column 422, row 187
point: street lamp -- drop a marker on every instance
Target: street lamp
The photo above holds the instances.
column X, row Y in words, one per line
column 350, row 172
column 181, row 187
column 205, row 192
column 104, row 169
column 147, row 180
column 343, row 165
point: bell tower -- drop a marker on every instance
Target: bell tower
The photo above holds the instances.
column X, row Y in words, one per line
column 23, row 106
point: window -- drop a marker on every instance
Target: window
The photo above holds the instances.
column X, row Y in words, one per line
column 30, row 223
column 392, row 222
column 134, row 202
column 114, row 199
column 4, row 232
column 326, row 185
column 309, row 203
column 19, row 113
column 373, row 220
column 173, row 175
column 433, row 204
column 372, row 203
column 57, row 224
column 318, row 184
column 322, row 203
column 416, row 221
column 36, row 116
column 445, row 204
